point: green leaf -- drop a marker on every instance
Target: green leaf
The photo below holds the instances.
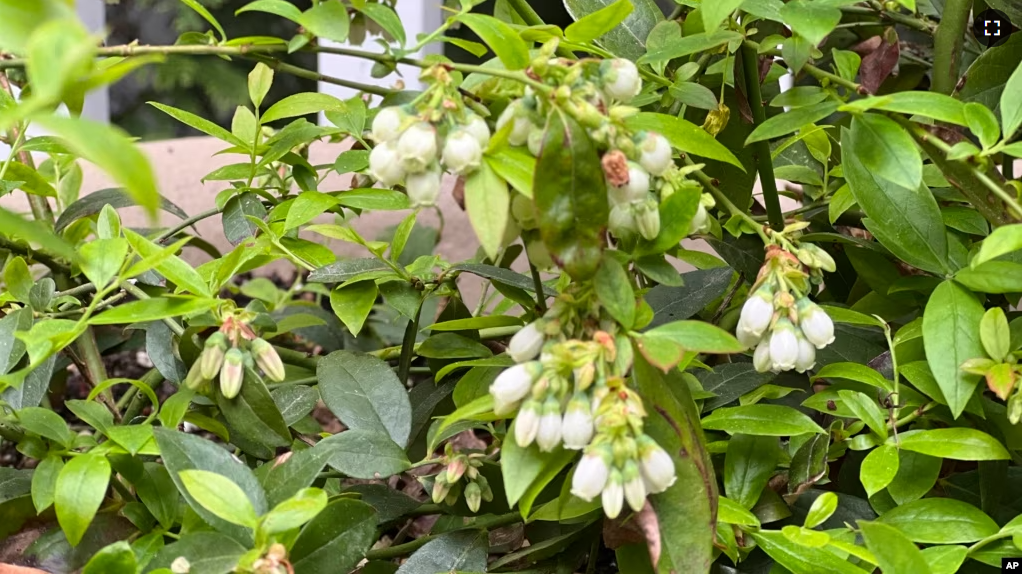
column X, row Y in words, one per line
column 46, row 424
column 516, row 166
column 688, row 45
column 945, row 559
column 614, row 290
column 81, row 488
column 788, row 122
column 220, row 495
column 992, row 277
column 983, row 123
column 505, row 42
column 299, row 471
column 387, row 19
column 336, row 540
column 28, row 180
column 940, row 521
column 352, row 303
column 101, row 259
column 327, row 20
column 885, row 149
column 1001, row 241
column 934, row 105
column 596, row 24
column 170, row 266
column 524, row 467
column 203, row 125
column 867, row 410
column 377, row 199
column 294, row 512
column 801, row 559
column 206, row 552
column 461, row 551
column 822, row 509
column 502, row 275
column 628, row 39
column 182, row 452
column 96, row 201
column 761, row 420
column 254, row 423
column 35, row 232
column 987, row 77
column 281, row 8
column 259, row 81
column 697, row 336
column 879, row 468
column 117, row 558
column 487, row 202
column 364, row 393
column 685, row 508
column 156, row 490
column 304, row 103
column 694, row 95
column 954, row 443
column 685, row 136
column 893, row 550
column 951, row 337
column 570, row 197
column 1011, row 103
column 308, row 206
column 202, row 11
column 917, row 474
column 995, row 334
column 905, row 220
column 366, row 454
column 111, row 150
column 44, row 482
column 476, row 323
column 152, row 309
column 714, row 13
column 748, row 466
column 730, row 512
column 811, row 20
column 18, row 20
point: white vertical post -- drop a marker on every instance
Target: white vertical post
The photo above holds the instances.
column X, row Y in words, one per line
column 418, row 17
column 93, row 14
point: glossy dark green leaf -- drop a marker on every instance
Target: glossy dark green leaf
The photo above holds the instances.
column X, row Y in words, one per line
column 502, row 275
column 954, row 443
column 893, row 550
column 879, row 468
column 801, row 559
column 501, row 38
column 628, row 39
column 253, row 420
column 81, row 488
column 336, row 540
column 294, row 402
column 366, row 454
column 206, row 552
column 614, row 290
column 364, row 393
column 464, row 551
column 788, row 122
column 748, row 466
column 701, row 287
column 985, row 79
column 904, row 220
column 522, row 467
column 761, row 420
column 951, row 337
column 117, row 558
column 686, row 510
column 343, row 270
column 570, row 197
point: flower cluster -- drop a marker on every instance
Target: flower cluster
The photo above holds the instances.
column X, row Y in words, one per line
column 778, row 319
column 638, row 165
column 461, row 471
column 575, row 396
column 229, row 352
column 413, row 151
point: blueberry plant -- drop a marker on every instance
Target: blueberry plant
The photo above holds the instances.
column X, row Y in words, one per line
column 832, row 387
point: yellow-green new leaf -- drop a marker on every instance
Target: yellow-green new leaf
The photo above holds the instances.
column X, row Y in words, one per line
column 221, row 496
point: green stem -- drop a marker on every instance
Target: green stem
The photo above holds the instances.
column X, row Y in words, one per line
column 409, row 547
column 34, row 255
column 142, row 295
column 540, row 292
column 310, row 75
column 896, row 17
column 764, row 162
column 138, row 401
column 818, row 73
column 531, row 18
column 723, row 199
column 947, row 45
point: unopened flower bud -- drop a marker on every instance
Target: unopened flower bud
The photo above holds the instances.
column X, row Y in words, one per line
column 268, row 360
column 1015, row 408
column 388, row 123
column 527, row 423
column 194, row 380
column 417, row 147
column 620, row 79
column 701, row 221
column 655, row 153
column 473, row 496
column 806, row 354
column 539, row 255
column 512, row 385
column 757, row 312
column 521, row 126
column 613, row 495
column 232, row 374
column 747, row 338
column 479, row 130
column 462, row 152
column 815, row 323
column 655, row 465
column 424, row 187
column 584, row 376
column 577, row 425
column 548, row 437
column 440, row 489
column 622, row 221
column 456, row 469
column 523, row 211
column 591, row 474
column 484, row 486
column 635, row 488
column 535, row 142
column 384, row 164
column 526, row 344
column 783, row 346
column 647, row 220
column 636, row 188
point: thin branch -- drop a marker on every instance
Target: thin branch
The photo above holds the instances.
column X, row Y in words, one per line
column 764, row 161
column 947, row 45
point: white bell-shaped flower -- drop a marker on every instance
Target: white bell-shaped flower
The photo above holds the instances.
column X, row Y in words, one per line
column 620, row 79
column 512, row 385
column 521, row 126
column 757, row 312
column 384, row 165
column 462, row 152
column 424, row 187
column 526, row 344
column 613, row 495
column 635, row 189
column 479, row 130
column 527, row 423
column 656, row 465
column 388, row 123
column 816, row 325
column 548, row 436
column 635, row 486
column 806, row 355
column 655, row 154
column 783, row 346
column 417, row 147
column 761, row 357
column 622, row 221
column 700, row 221
column 577, row 425
column 591, row 475
column 647, row 220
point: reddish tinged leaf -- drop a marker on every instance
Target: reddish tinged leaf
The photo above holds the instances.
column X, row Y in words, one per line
column 879, row 57
column 640, row 528
column 1001, row 380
